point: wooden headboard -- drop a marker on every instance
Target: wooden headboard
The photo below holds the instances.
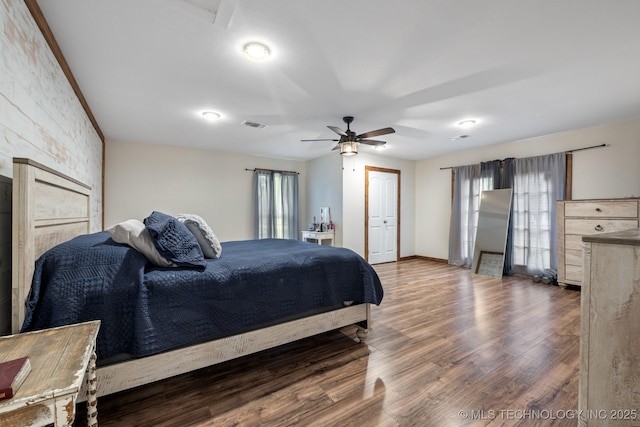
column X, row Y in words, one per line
column 48, row 208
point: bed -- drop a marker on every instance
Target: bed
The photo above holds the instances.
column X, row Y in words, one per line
column 51, row 217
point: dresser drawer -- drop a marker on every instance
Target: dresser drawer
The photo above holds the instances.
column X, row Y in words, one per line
column 595, row 226
column 573, row 242
column 573, row 273
column 603, row 209
column 578, row 218
column 573, row 257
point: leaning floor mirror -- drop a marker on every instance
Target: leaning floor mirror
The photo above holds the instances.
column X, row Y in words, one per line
column 491, row 234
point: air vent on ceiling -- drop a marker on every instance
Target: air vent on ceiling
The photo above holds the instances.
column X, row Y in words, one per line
column 253, row 124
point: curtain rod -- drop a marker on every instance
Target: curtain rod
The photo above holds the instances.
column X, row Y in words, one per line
column 270, row 170
column 568, row 151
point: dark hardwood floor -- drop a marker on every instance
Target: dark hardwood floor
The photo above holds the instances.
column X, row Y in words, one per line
column 447, row 348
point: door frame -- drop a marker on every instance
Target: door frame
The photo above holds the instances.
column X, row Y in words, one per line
column 366, row 208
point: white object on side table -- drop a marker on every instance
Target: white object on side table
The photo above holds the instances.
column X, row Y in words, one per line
column 318, row 236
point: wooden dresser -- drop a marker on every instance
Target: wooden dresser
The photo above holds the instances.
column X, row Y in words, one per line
column 577, row 218
column 610, row 330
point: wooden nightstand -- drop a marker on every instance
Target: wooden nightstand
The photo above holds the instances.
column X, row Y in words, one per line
column 60, row 360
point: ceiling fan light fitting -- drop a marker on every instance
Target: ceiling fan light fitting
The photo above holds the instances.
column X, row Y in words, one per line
column 349, row 148
column 349, row 140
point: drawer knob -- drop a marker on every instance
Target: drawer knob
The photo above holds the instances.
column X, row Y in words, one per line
column 598, row 210
column 598, row 227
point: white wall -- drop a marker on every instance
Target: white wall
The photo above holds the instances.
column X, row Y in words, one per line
column 611, row 171
column 141, row 178
column 353, row 187
column 324, row 188
column 41, row 119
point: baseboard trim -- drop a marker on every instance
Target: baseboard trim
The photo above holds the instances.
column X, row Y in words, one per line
column 425, row 258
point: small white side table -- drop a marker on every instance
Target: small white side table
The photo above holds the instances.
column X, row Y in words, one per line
column 318, row 237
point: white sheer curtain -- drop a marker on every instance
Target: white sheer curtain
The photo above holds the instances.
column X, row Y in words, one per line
column 538, row 183
column 276, row 205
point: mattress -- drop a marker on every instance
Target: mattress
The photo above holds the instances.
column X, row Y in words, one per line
column 146, row 310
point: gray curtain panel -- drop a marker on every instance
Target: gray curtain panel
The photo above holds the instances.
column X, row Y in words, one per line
column 464, row 214
column 506, row 181
column 276, row 204
column 491, row 175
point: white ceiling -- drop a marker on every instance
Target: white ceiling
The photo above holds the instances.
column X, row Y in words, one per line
column 148, row 68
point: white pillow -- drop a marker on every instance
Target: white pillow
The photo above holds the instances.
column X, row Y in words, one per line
column 211, row 247
column 133, row 233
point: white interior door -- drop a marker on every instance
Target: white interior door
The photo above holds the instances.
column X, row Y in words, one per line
column 383, row 217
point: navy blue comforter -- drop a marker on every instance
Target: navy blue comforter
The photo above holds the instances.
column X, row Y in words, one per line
column 147, row 310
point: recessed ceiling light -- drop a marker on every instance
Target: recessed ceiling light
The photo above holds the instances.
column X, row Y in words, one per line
column 211, row 115
column 466, row 124
column 256, row 51
column 380, row 147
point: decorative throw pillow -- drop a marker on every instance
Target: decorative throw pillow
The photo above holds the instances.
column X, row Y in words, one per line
column 133, row 233
column 209, row 243
column 174, row 241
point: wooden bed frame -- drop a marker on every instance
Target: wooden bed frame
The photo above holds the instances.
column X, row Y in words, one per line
column 50, row 208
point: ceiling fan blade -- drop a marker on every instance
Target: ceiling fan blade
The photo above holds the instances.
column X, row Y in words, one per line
column 337, row 147
column 378, row 132
column 337, row 130
column 373, row 142
column 313, row 140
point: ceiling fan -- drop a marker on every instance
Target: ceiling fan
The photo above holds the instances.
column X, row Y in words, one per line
column 348, row 142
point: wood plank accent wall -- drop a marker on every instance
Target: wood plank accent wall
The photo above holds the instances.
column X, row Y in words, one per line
column 39, row 18
column 41, row 118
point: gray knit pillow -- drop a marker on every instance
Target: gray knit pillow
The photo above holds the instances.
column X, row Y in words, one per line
column 208, row 241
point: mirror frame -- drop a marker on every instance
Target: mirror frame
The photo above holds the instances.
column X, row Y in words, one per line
column 491, row 232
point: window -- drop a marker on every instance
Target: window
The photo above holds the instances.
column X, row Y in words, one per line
column 537, row 182
column 276, row 204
